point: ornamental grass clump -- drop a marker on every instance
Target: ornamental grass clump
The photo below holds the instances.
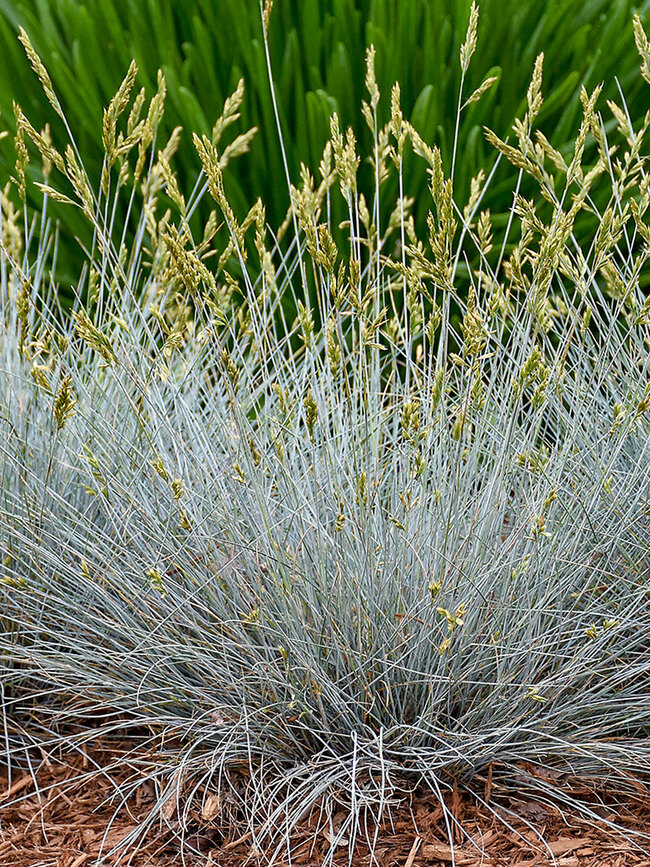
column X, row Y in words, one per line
column 323, row 559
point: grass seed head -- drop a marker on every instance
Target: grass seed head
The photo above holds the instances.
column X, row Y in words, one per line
column 643, row 46
column 468, row 47
column 41, row 71
column 64, row 402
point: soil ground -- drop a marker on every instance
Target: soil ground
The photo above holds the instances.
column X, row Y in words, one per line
column 51, row 819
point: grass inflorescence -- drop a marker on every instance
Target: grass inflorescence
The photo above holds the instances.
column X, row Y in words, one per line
column 389, row 541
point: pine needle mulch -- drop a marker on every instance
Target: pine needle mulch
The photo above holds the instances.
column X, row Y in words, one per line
column 57, row 818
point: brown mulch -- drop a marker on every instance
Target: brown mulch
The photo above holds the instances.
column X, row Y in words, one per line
column 60, row 821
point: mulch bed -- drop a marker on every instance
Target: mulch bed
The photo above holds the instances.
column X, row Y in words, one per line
column 63, row 822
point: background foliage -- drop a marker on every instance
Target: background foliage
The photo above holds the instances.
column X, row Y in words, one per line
column 317, row 51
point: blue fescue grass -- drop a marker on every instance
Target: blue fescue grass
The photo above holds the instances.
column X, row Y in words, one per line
column 336, row 558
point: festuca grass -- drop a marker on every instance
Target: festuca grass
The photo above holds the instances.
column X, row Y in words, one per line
column 339, row 554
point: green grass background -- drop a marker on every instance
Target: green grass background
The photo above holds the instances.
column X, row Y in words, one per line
column 317, row 51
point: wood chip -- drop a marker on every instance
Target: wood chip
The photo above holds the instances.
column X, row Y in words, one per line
column 16, row 787
column 234, row 843
column 335, row 841
column 442, row 852
column 564, row 845
column 211, row 808
column 413, row 852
